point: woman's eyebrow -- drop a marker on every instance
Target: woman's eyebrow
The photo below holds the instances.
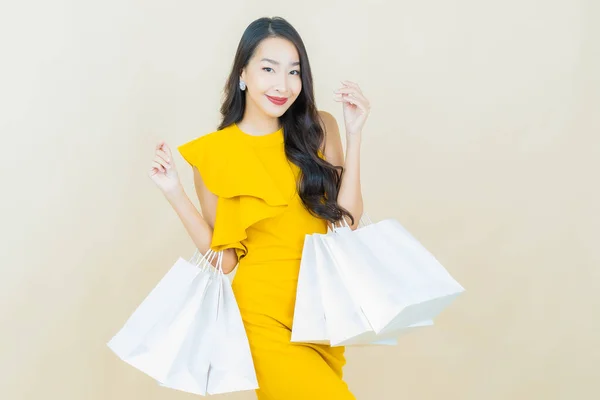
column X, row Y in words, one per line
column 293, row 64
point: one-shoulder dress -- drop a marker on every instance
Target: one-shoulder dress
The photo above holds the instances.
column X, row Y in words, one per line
column 261, row 216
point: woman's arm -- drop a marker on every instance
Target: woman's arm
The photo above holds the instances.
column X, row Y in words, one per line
column 350, row 194
column 198, row 227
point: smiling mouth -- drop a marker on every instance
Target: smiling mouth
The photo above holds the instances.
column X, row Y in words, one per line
column 277, row 100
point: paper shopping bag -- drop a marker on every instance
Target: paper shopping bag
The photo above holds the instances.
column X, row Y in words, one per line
column 424, row 288
column 371, row 286
column 344, row 319
column 365, row 285
column 189, row 370
column 309, row 315
column 173, row 334
column 151, row 337
column 231, row 364
column 309, row 323
column 217, row 359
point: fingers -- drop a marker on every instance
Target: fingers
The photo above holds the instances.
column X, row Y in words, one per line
column 351, row 84
column 349, row 89
column 354, row 92
column 355, row 95
column 162, row 158
column 160, row 165
column 167, row 150
column 154, row 171
column 344, row 97
column 346, row 90
column 352, row 98
column 162, row 145
column 355, row 102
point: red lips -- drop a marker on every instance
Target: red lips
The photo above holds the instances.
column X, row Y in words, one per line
column 277, row 100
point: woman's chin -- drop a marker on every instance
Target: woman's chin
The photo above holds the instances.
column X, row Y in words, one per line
column 275, row 112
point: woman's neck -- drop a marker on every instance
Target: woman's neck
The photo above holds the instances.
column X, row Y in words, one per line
column 254, row 122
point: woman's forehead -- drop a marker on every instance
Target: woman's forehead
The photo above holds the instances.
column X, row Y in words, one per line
column 277, row 50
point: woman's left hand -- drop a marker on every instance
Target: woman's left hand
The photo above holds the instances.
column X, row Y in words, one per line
column 356, row 107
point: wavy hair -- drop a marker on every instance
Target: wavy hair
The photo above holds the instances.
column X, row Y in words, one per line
column 319, row 181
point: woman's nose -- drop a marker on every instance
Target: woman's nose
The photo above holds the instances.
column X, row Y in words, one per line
column 282, row 85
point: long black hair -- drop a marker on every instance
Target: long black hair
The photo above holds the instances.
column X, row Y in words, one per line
column 319, row 181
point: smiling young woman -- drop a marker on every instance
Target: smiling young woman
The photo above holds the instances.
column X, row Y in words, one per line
column 272, row 172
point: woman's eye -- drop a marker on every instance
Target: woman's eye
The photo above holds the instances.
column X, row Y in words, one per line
column 296, row 72
column 267, row 68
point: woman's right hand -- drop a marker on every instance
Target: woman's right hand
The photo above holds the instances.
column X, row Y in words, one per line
column 163, row 172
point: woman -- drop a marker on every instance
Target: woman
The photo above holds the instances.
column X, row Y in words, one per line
column 273, row 172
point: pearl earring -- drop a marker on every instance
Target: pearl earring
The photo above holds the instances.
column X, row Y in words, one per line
column 242, row 85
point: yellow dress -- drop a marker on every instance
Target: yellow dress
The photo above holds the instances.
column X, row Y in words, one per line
column 261, row 216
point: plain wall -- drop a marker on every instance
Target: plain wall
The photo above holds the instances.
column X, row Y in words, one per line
column 483, row 141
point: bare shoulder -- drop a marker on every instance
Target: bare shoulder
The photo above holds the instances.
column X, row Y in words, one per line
column 332, row 147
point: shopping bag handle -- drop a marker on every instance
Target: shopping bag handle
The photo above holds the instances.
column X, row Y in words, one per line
column 343, row 221
column 365, row 216
column 205, row 261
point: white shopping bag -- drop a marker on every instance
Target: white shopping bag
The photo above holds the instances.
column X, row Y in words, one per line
column 396, row 281
column 151, row 337
column 309, row 324
column 309, row 315
column 344, row 319
column 372, row 286
column 350, row 325
column 189, row 371
column 173, row 334
column 231, row 364
column 369, row 277
column 424, row 286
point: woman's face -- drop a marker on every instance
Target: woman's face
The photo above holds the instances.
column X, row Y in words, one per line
column 272, row 77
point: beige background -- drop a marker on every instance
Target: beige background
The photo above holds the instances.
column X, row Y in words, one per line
column 483, row 141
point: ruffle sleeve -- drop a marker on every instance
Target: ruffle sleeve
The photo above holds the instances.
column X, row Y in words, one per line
column 246, row 192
